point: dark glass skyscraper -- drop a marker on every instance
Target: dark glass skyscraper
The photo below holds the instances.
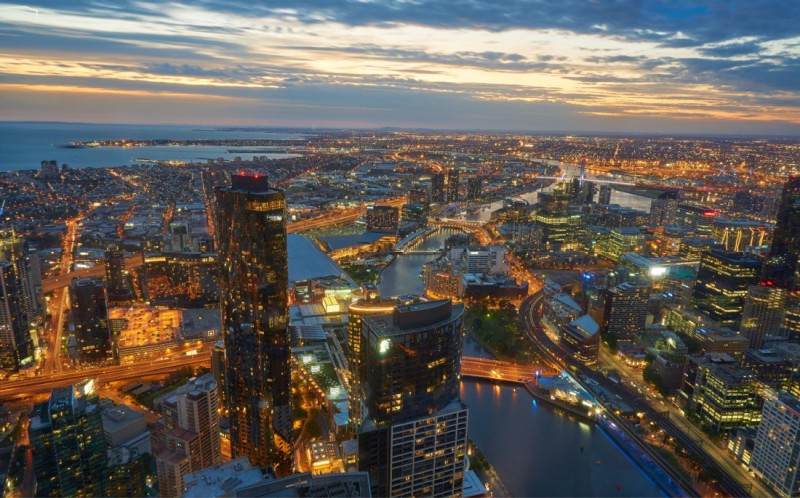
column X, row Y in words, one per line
column 17, row 303
column 16, row 346
column 452, row 185
column 251, row 239
column 90, row 317
column 722, row 283
column 116, row 280
column 780, row 267
column 438, row 193
column 413, row 440
column 69, row 450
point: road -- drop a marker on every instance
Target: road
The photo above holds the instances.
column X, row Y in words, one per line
column 52, row 355
column 675, row 417
column 505, row 371
column 530, row 322
column 43, row 383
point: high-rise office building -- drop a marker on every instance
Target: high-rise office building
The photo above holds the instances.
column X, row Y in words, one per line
column 452, row 185
column 722, row 283
column 16, row 344
column 625, row 313
column 69, row 450
column 438, row 192
column 127, row 473
column 90, row 318
column 20, row 300
column 117, row 287
column 369, row 304
column 33, row 265
column 663, row 208
column 699, row 219
column 193, row 277
column 415, row 213
column 382, row 219
column 776, row 452
column 763, row 313
column 187, row 434
column 582, row 339
column 791, row 324
column 253, row 265
column 557, row 225
column 474, row 188
column 721, row 393
column 781, row 265
column 413, row 439
column 738, row 235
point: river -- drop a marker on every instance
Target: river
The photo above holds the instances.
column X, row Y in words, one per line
column 535, row 449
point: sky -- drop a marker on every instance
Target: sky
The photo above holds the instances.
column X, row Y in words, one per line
column 619, row 66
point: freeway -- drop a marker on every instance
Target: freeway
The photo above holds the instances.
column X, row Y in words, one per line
column 531, row 324
column 43, row 383
column 57, row 282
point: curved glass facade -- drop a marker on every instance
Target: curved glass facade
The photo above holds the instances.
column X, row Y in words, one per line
column 251, row 237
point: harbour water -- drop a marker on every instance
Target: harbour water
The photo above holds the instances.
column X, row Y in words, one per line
column 537, row 450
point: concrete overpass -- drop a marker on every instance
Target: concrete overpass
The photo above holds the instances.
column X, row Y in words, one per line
column 44, row 383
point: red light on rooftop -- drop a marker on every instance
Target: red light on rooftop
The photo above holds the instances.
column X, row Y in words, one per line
column 710, row 213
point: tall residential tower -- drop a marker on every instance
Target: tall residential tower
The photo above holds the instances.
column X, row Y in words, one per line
column 251, row 239
column 414, row 437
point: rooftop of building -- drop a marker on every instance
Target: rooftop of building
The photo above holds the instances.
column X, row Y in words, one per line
column 734, row 257
column 119, row 416
column 627, row 231
column 413, row 316
column 250, row 183
column 349, row 484
column 713, row 358
column 197, row 385
column 586, row 325
column 567, row 301
column 222, row 479
column 779, row 352
column 118, row 455
column 472, row 485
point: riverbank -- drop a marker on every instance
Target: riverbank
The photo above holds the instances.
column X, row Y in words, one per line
column 485, row 471
column 527, row 442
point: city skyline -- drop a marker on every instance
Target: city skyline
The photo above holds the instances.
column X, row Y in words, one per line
column 392, row 248
column 644, row 66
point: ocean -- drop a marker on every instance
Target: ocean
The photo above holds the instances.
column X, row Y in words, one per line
column 24, row 145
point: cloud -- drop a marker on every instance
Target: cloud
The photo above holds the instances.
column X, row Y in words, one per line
column 660, row 59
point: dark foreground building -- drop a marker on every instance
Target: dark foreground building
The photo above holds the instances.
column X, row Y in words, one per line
column 251, row 237
column 413, row 441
